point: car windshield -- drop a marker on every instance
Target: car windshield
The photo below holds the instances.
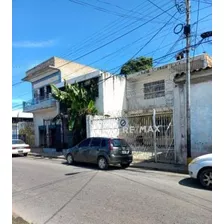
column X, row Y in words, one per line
column 119, row 143
column 17, row 141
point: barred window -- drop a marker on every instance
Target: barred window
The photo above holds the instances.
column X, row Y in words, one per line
column 154, row 89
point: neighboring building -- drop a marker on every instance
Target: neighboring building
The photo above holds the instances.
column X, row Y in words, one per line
column 45, row 108
column 42, row 105
column 18, row 121
column 131, row 100
column 155, row 89
column 201, row 113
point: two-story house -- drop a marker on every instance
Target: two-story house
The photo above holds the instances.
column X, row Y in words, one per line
column 42, row 105
column 44, row 108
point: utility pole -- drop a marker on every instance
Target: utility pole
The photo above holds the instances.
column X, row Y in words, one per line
column 187, row 32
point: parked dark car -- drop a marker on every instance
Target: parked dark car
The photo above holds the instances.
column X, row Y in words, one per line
column 101, row 151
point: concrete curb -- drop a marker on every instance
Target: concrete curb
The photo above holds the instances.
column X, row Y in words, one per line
column 160, row 166
column 171, row 170
column 46, row 156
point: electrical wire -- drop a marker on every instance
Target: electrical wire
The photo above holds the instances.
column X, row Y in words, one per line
column 162, row 9
column 115, row 39
column 196, row 32
column 153, row 36
column 101, row 9
column 103, row 38
column 18, row 83
column 125, row 47
column 119, row 7
column 108, row 30
column 159, row 58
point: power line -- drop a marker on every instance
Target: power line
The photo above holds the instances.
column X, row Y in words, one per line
column 18, row 83
column 117, row 6
column 15, row 84
column 117, row 38
column 159, row 58
column 162, row 9
column 112, row 33
column 101, row 9
column 210, row 3
column 196, row 28
column 112, row 54
column 125, row 47
column 107, row 27
column 153, row 36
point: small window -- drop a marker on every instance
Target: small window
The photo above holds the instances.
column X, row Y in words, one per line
column 95, row 142
column 119, row 143
column 84, row 143
column 154, row 89
column 104, row 143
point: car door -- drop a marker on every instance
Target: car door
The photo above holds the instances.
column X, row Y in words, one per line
column 93, row 150
column 83, row 148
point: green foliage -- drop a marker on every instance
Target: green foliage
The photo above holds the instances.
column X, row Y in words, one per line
column 136, row 65
column 28, row 131
column 78, row 101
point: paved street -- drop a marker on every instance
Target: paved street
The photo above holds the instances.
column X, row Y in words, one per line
column 50, row 191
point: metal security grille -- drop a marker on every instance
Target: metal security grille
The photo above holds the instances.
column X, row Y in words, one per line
column 154, row 89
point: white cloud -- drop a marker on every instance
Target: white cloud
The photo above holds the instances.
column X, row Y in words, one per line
column 33, row 44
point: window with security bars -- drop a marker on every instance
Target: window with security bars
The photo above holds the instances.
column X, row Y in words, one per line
column 154, row 89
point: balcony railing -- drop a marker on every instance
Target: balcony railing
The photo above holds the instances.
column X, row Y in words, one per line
column 39, row 103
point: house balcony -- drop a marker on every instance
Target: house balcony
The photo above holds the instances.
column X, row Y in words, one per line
column 39, row 103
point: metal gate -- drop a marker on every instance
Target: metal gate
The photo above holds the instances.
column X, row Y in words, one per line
column 151, row 136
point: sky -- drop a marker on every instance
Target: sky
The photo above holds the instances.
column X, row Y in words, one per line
column 101, row 33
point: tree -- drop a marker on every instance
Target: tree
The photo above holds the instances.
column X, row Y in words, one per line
column 136, row 65
column 79, row 103
column 28, row 131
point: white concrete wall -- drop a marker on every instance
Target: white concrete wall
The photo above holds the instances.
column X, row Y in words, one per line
column 111, row 95
column 100, row 126
column 135, row 91
column 201, row 120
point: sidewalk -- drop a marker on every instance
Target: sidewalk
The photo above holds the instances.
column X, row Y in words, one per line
column 174, row 168
column 142, row 164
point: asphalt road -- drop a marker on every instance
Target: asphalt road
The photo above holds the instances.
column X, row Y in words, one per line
column 50, row 191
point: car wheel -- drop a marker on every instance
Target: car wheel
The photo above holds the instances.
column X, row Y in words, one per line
column 70, row 159
column 205, row 178
column 102, row 163
column 124, row 165
column 25, row 154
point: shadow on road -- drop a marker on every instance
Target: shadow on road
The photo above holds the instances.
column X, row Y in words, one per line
column 13, row 156
column 90, row 166
column 192, row 183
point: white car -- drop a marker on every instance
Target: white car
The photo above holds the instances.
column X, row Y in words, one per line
column 201, row 168
column 19, row 147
